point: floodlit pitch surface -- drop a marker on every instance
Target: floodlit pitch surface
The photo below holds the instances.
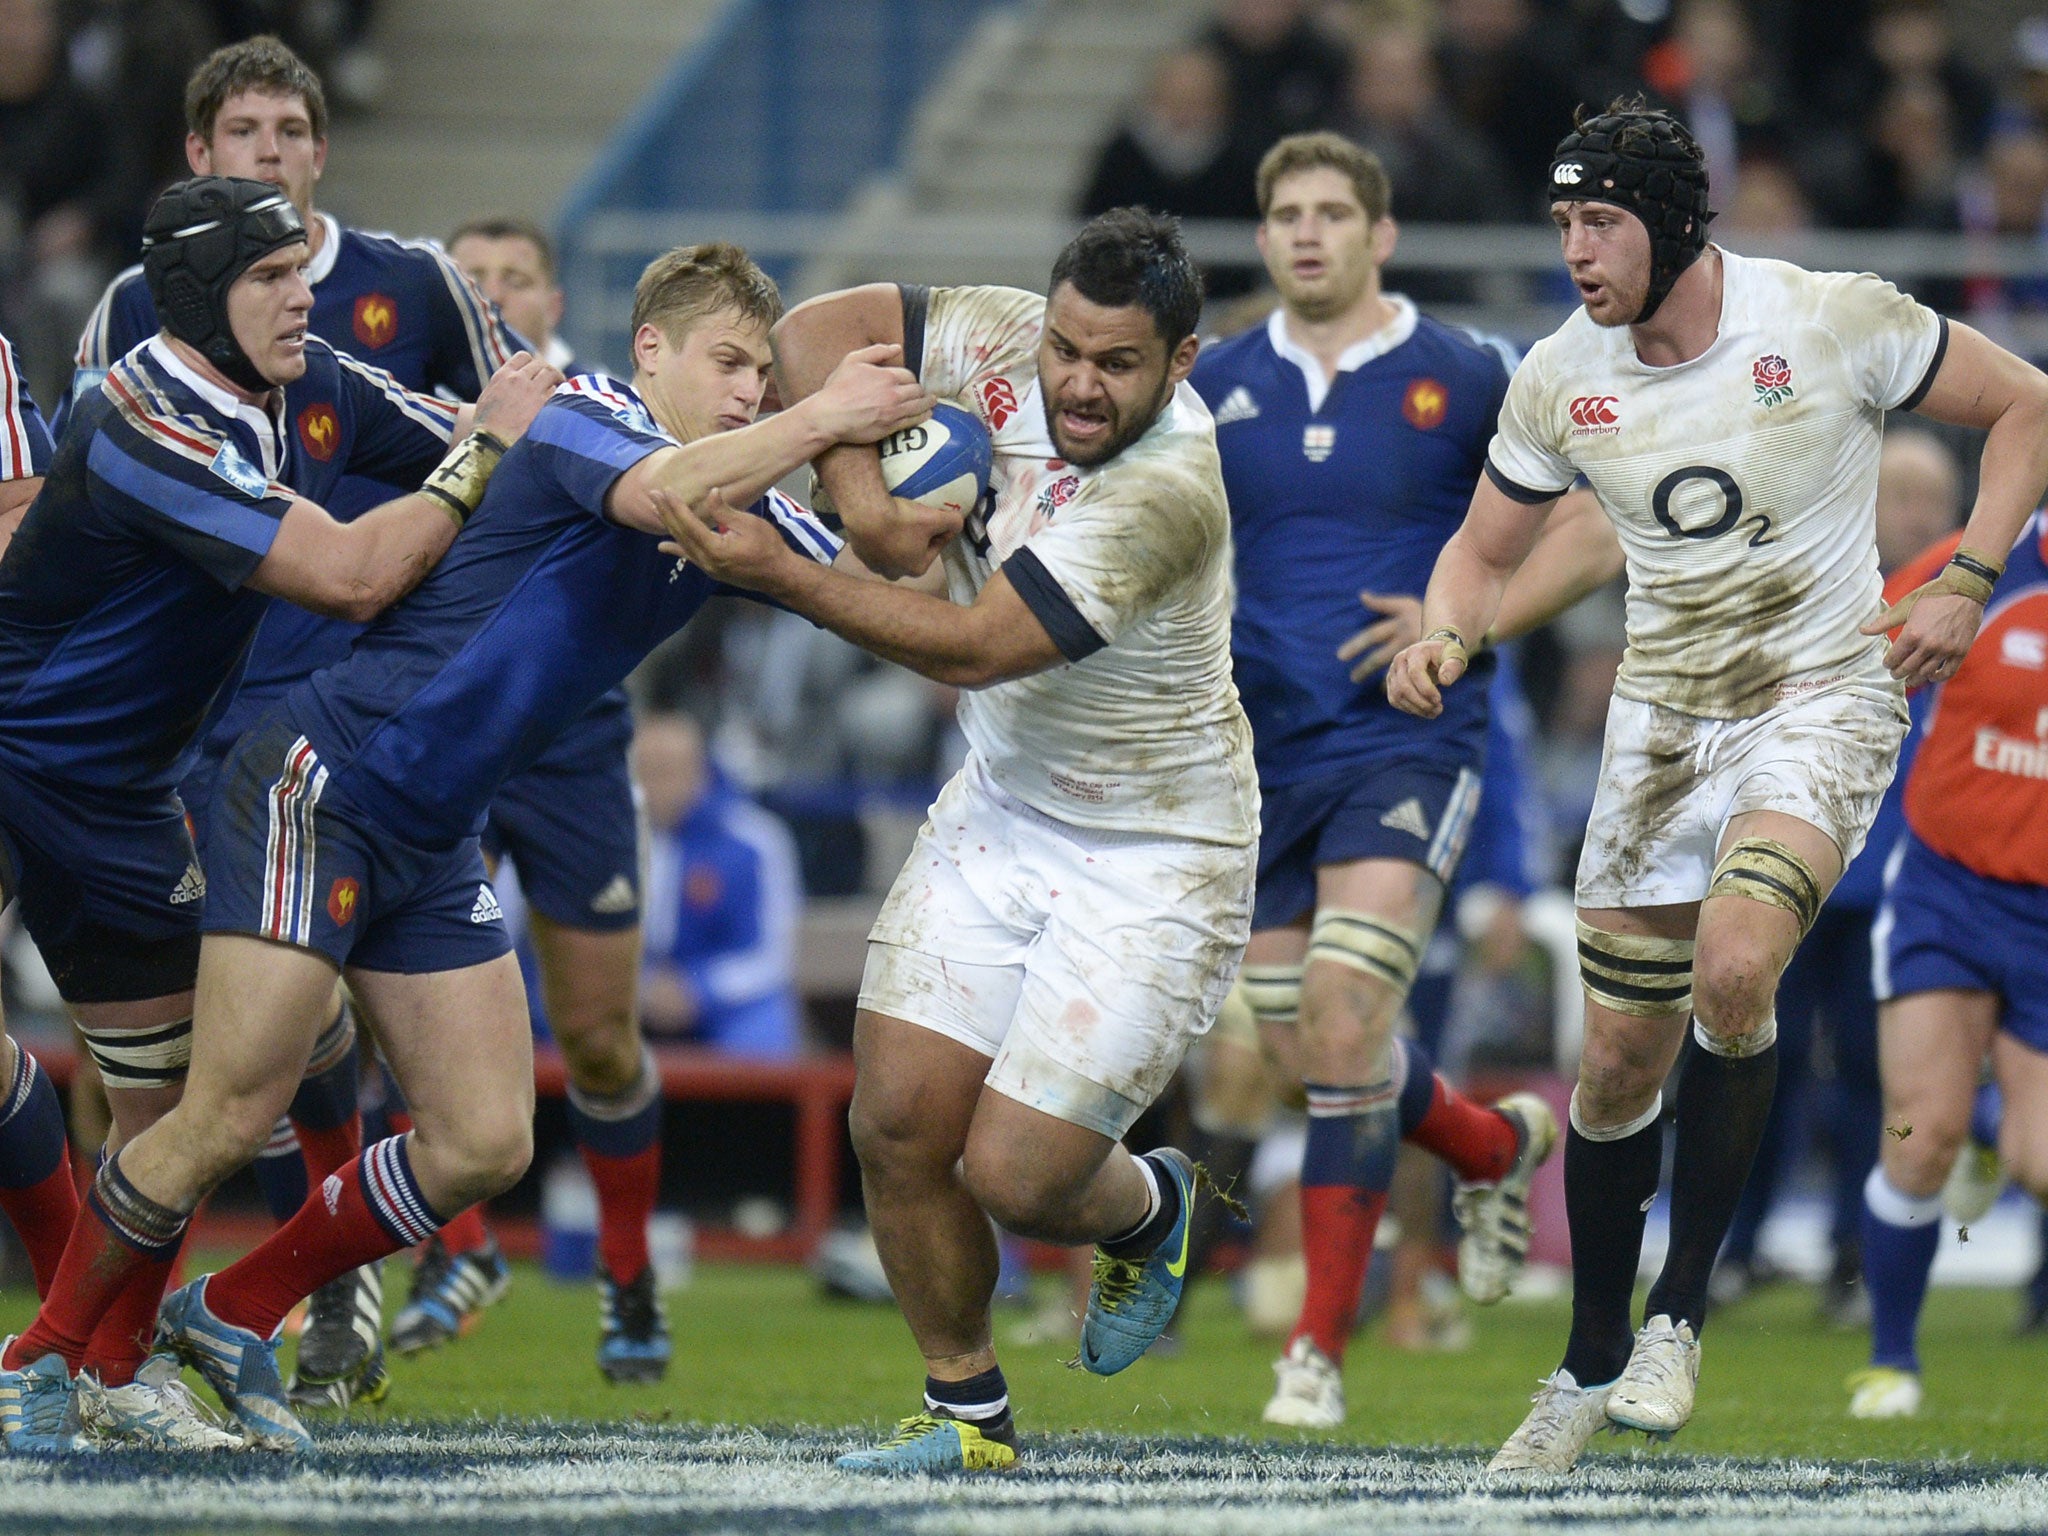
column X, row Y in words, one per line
column 511, row 1431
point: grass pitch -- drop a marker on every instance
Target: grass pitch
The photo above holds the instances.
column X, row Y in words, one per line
column 512, row 1429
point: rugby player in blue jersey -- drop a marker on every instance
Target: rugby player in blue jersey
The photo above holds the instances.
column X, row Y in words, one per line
column 1351, row 429
column 180, row 501
column 25, row 445
column 345, row 826
column 255, row 109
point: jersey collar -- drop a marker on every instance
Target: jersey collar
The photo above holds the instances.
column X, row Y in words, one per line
column 264, row 426
column 330, row 249
column 1357, row 355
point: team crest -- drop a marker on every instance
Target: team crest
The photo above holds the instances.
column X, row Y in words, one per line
column 1318, row 442
column 341, row 900
column 319, row 431
column 376, row 320
column 1773, row 378
column 1058, row 494
column 1424, row 405
column 239, row 472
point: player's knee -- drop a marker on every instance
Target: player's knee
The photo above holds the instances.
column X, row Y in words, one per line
column 887, row 1131
column 1735, row 986
column 2024, row 1151
column 1620, row 1073
column 1018, row 1190
column 600, row 1047
column 498, row 1155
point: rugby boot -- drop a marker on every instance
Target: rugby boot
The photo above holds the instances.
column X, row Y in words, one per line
column 633, row 1343
column 239, row 1365
column 1494, row 1218
column 448, row 1295
column 1655, row 1391
column 341, row 1353
column 937, row 1442
column 1562, row 1424
column 1131, row 1301
column 1308, row 1392
column 1883, row 1392
column 156, row 1411
column 39, row 1409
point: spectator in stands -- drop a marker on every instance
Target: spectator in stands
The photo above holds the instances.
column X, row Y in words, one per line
column 1441, row 171
column 1514, row 79
column 1768, row 202
column 2026, row 103
column 1286, row 74
column 1712, row 69
column 2009, row 197
column 512, row 262
column 1914, row 138
column 1911, row 40
column 722, row 903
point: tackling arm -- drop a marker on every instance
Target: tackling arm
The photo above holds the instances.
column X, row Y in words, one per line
column 892, row 537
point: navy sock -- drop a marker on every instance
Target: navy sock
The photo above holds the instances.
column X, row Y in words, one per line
column 1416, row 1074
column 280, row 1170
column 983, row 1401
column 31, row 1126
column 1900, row 1235
column 1141, row 1240
column 327, row 1098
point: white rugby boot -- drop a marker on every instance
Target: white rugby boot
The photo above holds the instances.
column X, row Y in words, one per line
column 1562, row 1424
column 1494, row 1218
column 1883, row 1392
column 1974, row 1184
column 156, row 1410
column 1308, row 1392
column 1655, row 1390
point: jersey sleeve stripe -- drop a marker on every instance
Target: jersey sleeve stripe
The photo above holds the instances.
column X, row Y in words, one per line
column 16, row 455
column 487, row 344
column 232, row 522
column 437, row 416
column 1515, row 491
column 154, row 421
column 802, row 528
column 1912, row 401
column 1049, row 603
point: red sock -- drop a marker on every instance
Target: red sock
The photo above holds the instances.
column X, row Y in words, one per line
column 370, row 1207
column 326, row 1151
column 466, row 1233
column 1477, row 1140
column 119, row 1240
column 626, row 1190
column 128, row 1327
column 1337, row 1227
column 43, row 1215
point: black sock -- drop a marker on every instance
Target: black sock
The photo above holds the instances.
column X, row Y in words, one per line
column 1608, row 1187
column 983, row 1401
column 1148, row 1234
column 1228, row 1158
column 1723, row 1105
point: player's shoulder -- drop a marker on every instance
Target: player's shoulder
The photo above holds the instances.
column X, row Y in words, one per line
column 381, row 248
column 1576, row 347
column 1850, row 304
column 606, row 401
column 1230, row 356
column 986, row 309
column 1175, row 464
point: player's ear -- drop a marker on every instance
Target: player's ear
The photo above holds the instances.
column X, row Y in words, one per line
column 1386, row 234
column 198, row 155
column 1182, row 362
column 319, row 157
column 648, row 345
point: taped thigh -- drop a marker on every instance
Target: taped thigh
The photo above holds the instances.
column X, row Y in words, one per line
column 1385, row 951
column 1636, row 974
column 1764, row 869
column 141, row 1058
column 1271, row 992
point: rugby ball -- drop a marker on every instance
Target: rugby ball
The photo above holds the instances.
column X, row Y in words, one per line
column 941, row 462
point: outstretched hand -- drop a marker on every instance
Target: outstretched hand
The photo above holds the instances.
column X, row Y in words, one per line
column 737, row 548
column 514, row 396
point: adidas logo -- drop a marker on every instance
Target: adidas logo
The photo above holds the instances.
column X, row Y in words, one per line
column 1238, row 405
column 330, row 1193
column 615, row 898
column 486, row 909
column 1408, row 817
column 191, row 887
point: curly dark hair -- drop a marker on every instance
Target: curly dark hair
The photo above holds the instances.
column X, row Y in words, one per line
column 1134, row 256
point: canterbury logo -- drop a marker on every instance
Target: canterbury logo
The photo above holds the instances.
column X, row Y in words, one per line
column 1568, row 174
column 1595, row 411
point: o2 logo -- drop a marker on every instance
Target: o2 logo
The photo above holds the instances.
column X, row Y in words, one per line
column 1729, row 495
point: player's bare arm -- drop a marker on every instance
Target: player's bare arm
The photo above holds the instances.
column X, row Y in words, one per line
column 356, row 570
column 1982, row 385
column 892, row 537
column 15, row 495
column 993, row 640
column 866, row 396
column 1464, row 596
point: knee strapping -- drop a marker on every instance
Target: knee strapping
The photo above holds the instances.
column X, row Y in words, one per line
column 141, row 1058
column 1634, row 973
column 1735, row 1047
column 1380, row 949
column 1622, row 1132
column 1764, row 869
column 1272, row 992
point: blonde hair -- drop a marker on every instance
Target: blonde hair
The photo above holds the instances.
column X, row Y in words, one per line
column 692, row 281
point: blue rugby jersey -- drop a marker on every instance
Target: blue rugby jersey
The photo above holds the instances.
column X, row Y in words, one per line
column 122, row 605
column 543, row 604
column 1335, row 492
column 25, row 446
column 400, row 304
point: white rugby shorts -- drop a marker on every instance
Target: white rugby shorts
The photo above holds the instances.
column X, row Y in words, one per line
column 1670, row 783
column 1083, row 962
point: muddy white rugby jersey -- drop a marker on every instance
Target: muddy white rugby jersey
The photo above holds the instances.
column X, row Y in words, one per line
column 1126, row 564
column 1743, row 484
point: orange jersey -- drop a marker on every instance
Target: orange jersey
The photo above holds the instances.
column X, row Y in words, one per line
column 1978, row 791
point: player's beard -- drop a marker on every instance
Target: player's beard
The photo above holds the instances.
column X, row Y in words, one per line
column 1122, row 431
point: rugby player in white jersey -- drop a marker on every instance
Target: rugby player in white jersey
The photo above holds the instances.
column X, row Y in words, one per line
column 1073, row 913
column 1727, row 411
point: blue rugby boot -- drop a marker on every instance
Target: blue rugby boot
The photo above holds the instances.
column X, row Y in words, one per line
column 633, row 1343
column 238, row 1364
column 1133, row 1299
column 39, row 1411
column 937, row 1442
